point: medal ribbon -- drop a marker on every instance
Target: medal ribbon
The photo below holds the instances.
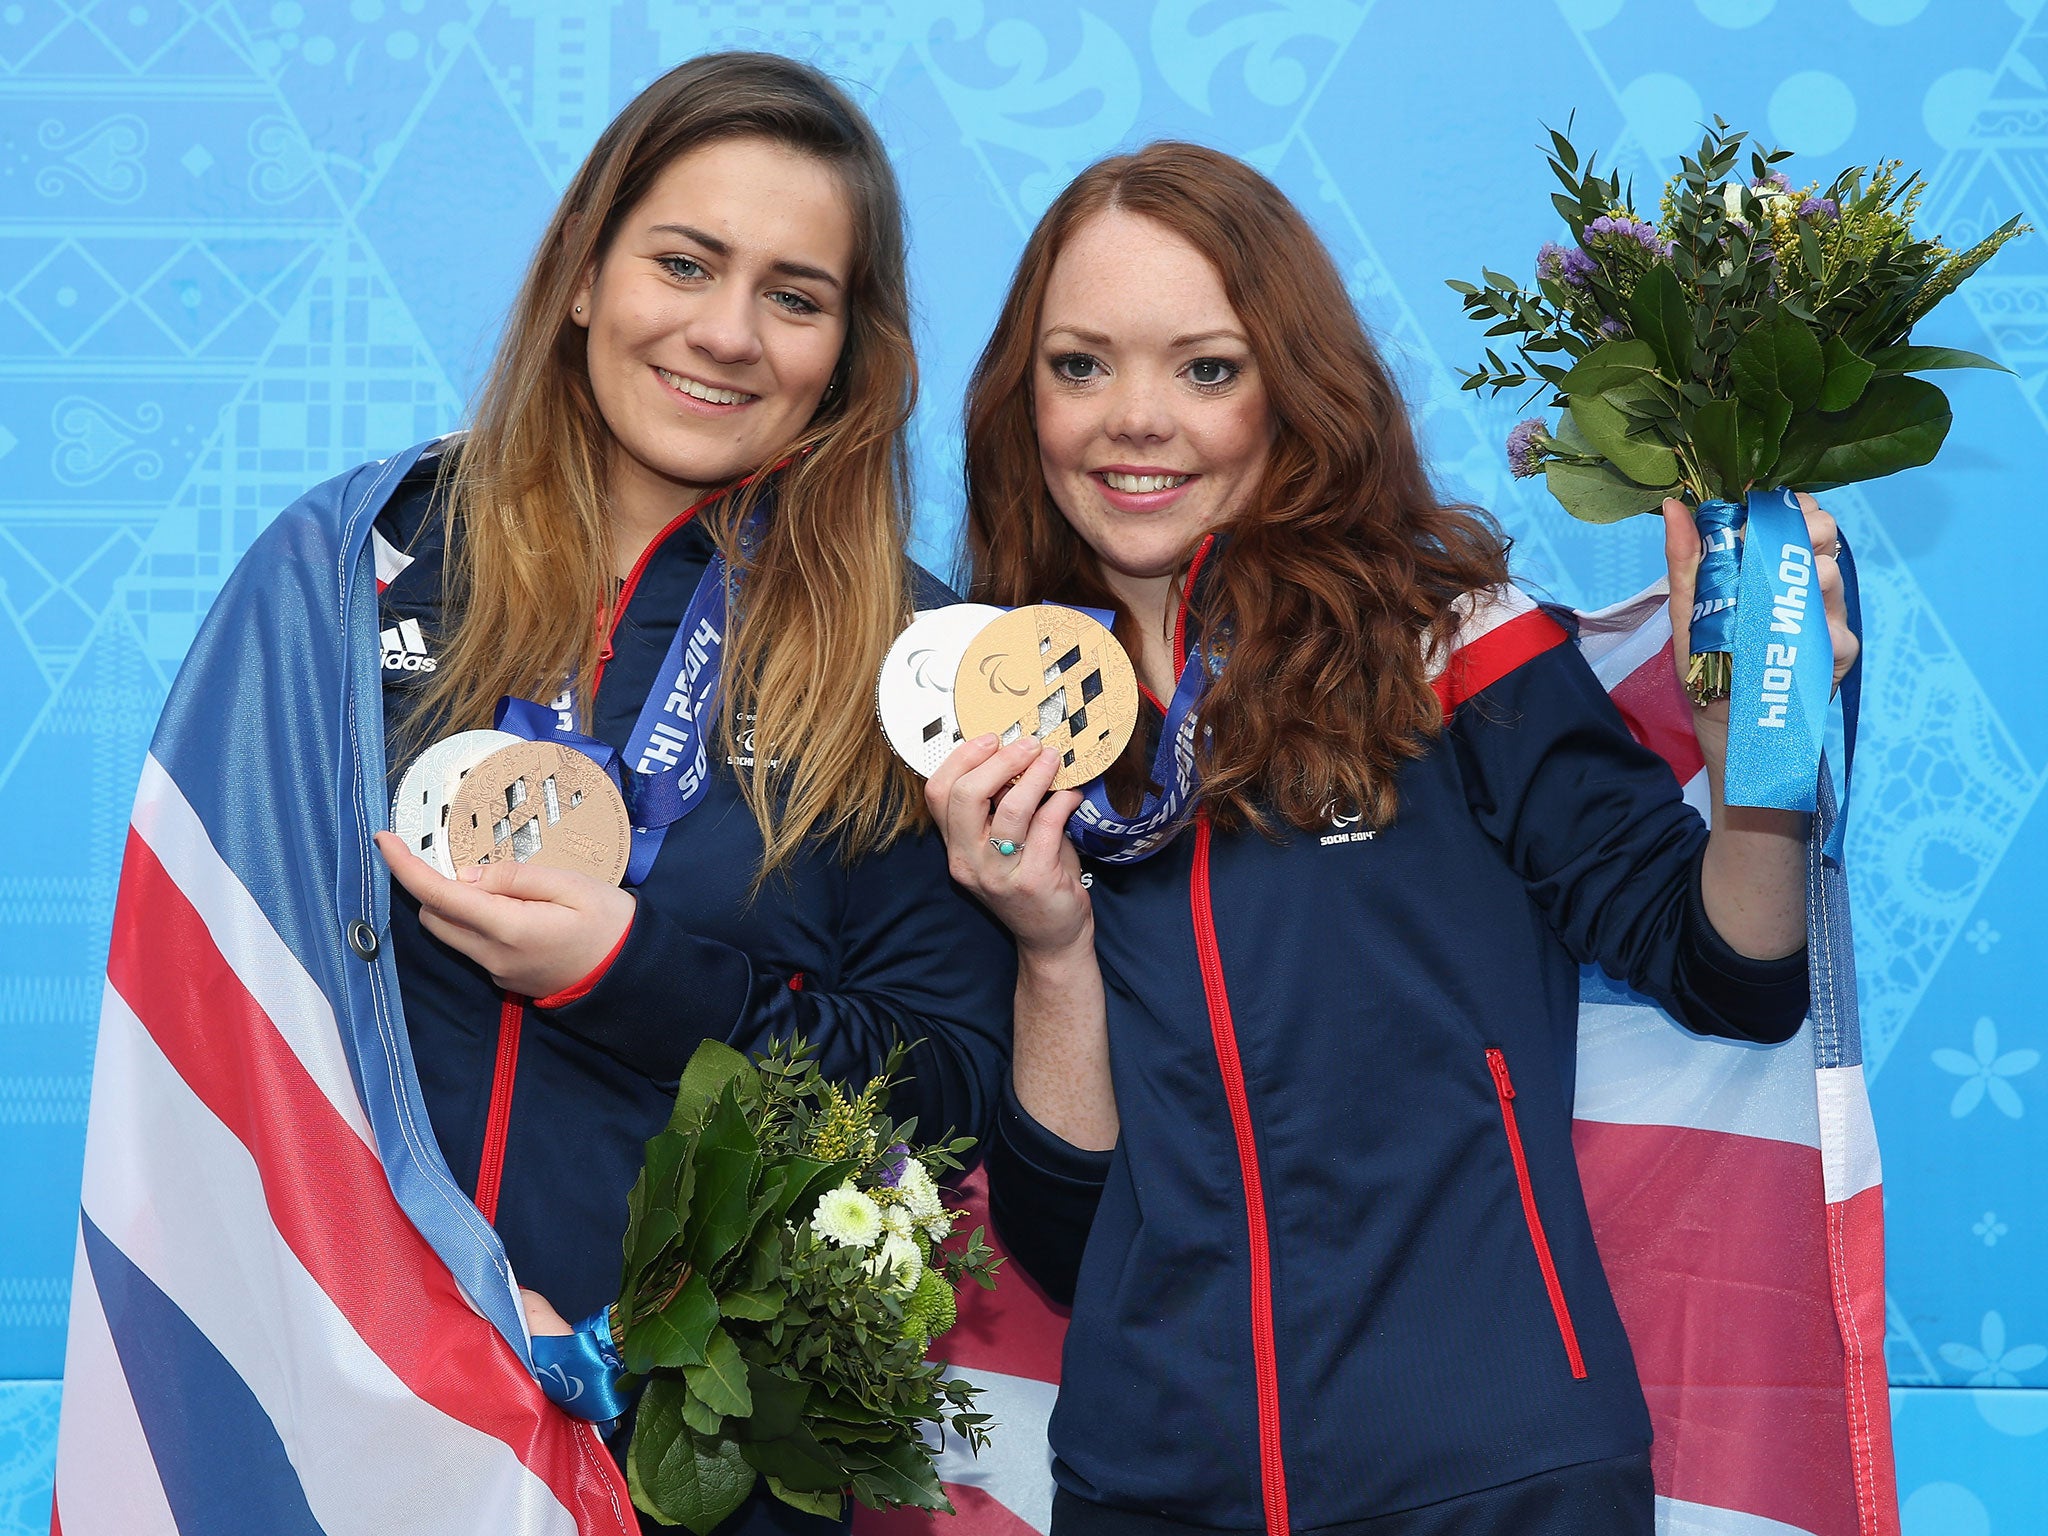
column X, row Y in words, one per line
column 581, row 1371
column 1100, row 831
column 665, row 768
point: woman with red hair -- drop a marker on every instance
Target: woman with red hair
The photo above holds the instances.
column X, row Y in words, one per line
column 1290, row 1110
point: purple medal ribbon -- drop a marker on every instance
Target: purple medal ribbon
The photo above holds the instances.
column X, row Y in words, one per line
column 1100, row 831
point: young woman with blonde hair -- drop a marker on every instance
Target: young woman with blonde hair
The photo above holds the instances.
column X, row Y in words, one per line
column 687, row 464
column 1290, row 1112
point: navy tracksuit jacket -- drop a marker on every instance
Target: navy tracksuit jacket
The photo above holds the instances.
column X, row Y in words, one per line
column 852, row 957
column 1341, row 1265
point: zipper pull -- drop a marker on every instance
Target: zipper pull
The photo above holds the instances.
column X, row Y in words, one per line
column 1497, row 1063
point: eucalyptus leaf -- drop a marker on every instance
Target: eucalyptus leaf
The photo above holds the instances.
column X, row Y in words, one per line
column 830, row 1505
column 711, row 1068
column 1846, row 377
column 651, row 1238
column 798, row 1460
column 728, row 1160
column 1610, row 429
column 1717, row 441
column 1599, row 493
column 795, row 1183
column 754, row 1306
column 698, row 1414
column 1898, row 424
column 1609, row 364
column 720, row 1383
column 779, row 1403
column 1660, row 315
column 1762, row 433
column 900, row 1475
column 1777, row 355
column 1904, row 359
column 676, row 1335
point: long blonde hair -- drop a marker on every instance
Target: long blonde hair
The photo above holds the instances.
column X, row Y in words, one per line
column 531, row 566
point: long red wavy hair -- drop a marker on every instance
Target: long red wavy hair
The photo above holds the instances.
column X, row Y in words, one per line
column 1339, row 571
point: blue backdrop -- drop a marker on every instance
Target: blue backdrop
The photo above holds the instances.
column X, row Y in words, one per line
column 245, row 244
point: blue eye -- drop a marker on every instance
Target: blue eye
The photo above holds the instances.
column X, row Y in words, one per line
column 680, row 266
column 1211, row 372
column 795, row 303
column 1075, row 367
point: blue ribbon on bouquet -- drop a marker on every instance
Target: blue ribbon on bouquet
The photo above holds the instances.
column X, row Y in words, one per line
column 1758, row 599
column 581, row 1371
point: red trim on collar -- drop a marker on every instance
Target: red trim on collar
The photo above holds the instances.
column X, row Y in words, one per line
column 1480, row 664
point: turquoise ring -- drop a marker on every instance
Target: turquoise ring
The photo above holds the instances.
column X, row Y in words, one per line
column 1004, row 846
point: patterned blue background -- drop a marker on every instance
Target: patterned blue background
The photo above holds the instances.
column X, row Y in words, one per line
column 246, row 244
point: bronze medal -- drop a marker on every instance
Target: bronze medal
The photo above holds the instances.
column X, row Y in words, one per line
column 1056, row 674
column 538, row 802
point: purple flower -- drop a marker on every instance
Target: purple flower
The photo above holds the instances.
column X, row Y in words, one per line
column 1550, row 261
column 1620, row 227
column 1525, row 448
column 1773, row 181
column 1824, row 209
column 894, row 1161
column 1611, row 327
column 1578, row 266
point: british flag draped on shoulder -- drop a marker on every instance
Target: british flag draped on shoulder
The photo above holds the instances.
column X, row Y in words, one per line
column 286, row 1317
column 1734, row 1191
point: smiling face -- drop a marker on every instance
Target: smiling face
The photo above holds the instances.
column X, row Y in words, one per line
column 1152, row 418
column 716, row 319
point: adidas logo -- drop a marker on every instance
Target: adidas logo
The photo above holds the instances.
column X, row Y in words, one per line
column 404, row 649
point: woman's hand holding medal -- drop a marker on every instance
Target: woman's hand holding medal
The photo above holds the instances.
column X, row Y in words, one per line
column 535, row 930
column 985, row 797
column 1052, row 682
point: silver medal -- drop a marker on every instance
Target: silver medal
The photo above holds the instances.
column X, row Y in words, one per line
column 419, row 810
column 914, row 692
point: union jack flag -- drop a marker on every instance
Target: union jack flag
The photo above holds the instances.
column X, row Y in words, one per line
column 286, row 1317
column 1735, row 1196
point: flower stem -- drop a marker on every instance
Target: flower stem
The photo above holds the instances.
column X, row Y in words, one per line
column 1708, row 676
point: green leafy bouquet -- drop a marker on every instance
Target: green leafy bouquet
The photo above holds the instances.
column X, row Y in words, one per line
column 1754, row 337
column 784, row 1278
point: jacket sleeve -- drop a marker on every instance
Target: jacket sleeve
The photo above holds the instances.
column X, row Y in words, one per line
column 1594, row 824
column 1042, row 1195
column 917, row 961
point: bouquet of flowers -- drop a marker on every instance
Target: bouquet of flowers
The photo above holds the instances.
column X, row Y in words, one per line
column 1755, row 337
column 784, row 1279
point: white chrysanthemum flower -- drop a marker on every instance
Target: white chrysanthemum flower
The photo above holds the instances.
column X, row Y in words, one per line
column 847, row 1217
column 895, row 1221
column 918, row 1190
column 1731, row 197
column 938, row 1226
column 899, row 1260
